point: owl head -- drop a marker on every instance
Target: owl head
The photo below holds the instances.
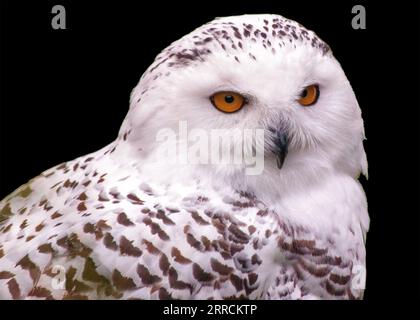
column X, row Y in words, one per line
column 256, row 74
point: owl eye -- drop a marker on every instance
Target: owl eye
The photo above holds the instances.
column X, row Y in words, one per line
column 309, row 95
column 227, row 101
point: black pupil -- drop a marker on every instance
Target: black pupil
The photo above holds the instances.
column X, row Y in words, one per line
column 304, row 93
column 229, row 99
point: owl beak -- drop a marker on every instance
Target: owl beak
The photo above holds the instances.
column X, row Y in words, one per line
column 280, row 145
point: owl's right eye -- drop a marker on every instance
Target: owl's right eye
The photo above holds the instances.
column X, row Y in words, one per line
column 227, row 101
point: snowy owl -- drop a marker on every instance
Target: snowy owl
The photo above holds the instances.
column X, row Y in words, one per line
column 133, row 221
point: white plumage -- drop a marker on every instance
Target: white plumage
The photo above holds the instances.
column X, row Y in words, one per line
column 126, row 222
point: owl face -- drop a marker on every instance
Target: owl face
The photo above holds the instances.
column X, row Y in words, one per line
column 260, row 72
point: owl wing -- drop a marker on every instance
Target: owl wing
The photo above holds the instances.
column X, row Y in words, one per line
column 69, row 235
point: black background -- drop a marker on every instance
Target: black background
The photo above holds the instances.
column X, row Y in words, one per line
column 64, row 93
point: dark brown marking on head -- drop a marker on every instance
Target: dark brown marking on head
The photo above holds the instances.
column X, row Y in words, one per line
column 8, row 227
column 122, row 283
column 222, row 244
column 251, row 229
column 248, row 287
column 255, row 259
column 302, row 246
column 27, row 264
column 198, row 219
column 6, row 275
column 220, row 226
column 46, row 248
column 39, row 227
column 220, row 267
column 89, row 228
column 127, row 248
column 82, row 196
column 333, row 290
column 164, row 264
column 252, row 277
column 262, row 213
column 146, row 277
column 202, row 199
column 164, row 294
column 201, row 275
column 116, row 195
column 156, row 229
column 24, row 224
column 193, row 242
column 178, row 257
column 14, row 289
column 238, row 234
column 40, row 292
column 81, row 206
column 172, row 210
column 5, row 213
column 235, row 247
column 237, row 34
column 134, row 199
column 109, row 242
column 317, row 271
column 162, row 216
column 86, row 183
column 124, row 220
column 62, row 166
column 207, row 243
column 74, row 246
column 175, row 283
column 338, row 279
column 236, row 281
column 319, row 252
column 150, row 247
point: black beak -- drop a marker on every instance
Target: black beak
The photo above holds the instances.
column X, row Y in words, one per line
column 280, row 145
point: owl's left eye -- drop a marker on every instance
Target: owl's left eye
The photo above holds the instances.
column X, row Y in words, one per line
column 227, row 101
column 309, row 96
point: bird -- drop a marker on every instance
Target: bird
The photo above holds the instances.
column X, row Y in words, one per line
column 139, row 219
